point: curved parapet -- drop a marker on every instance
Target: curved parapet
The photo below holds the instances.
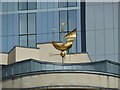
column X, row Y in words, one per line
column 37, row 74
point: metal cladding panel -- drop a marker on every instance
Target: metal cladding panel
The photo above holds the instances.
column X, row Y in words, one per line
column 31, row 66
column 16, row 69
column 36, row 66
column 113, row 68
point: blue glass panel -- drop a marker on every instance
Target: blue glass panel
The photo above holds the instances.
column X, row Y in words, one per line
column 0, row 25
column 31, row 41
column 63, row 19
column 23, row 23
column 15, row 6
column 16, row 40
column 31, row 23
column 4, row 44
column 10, row 42
column 16, row 24
column 56, row 21
column 51, row 4
column 38, row 5
column 0, row 6
column 0, row 44
column 44, row 37
column 50, row 37
column 39, row 38
column 43, row 4
column 22, row 5
column 4, row 24
column 32, row 5
column 10, row 24
column 4, row 6
column 57, row 37
column 71, row 4
column 78, row 20
column 44, row 22
column 50, row 22
column 78, row 41
column 73, row 49
column 23, row 40
column 72, row 16
column 62, row 4
column 39, row 23
column 10, row 6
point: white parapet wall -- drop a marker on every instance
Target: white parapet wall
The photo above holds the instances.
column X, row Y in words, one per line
column 43, row 52
column 49, row 54
column 54, row 79
column 3, row 58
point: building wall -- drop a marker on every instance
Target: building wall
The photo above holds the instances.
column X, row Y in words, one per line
column 102, row 30
column 62, row 79
column 22, row 27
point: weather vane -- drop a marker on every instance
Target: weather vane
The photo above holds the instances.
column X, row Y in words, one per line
column 69, row 42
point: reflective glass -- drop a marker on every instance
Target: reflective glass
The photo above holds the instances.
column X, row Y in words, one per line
column 63, row 19
column 43, row 5
column 31, row 41
column 10, row 24
column 10, row 42
column 90, row 42
column 44, row 22
column 4, row 24
column 31, row 23
column 23, row 40
column 99, row 23
column 72, row 18
column 10, row 6
column 4, row 44
column 39, row 23
column 32, row 5
column 71, row 4
column 108, row 16
column 4, row 6
column 23, row 23
column 109, row 42
column 16, row 30
column 16, row 40
column 22, row 5
column 56, row 21
column 90, row 18
column 78, row 41
column 62, row 4
column 50, row 22
column 51, row 4
column 100, row 42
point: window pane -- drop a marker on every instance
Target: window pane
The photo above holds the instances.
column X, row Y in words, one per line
column 44, row 22
column 62, row 4
column 31, row 41
column 23, row 23
column 63, row 19
column 22, row 5
column 71, row 4
column 43, row 4
column 32, row 5
column 72, row 18
column 31, row 23
column 23, row 40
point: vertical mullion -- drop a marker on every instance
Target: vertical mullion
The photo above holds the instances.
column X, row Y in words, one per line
column 27, row 29
column 83, row 28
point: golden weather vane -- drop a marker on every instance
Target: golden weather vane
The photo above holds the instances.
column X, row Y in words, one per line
column 63, row 47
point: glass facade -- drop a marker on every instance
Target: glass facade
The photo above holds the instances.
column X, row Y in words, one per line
column 29, row 23
column 102, row 30
column 27, row 28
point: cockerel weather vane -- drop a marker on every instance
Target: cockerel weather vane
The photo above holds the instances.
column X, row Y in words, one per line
column 64, row 46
